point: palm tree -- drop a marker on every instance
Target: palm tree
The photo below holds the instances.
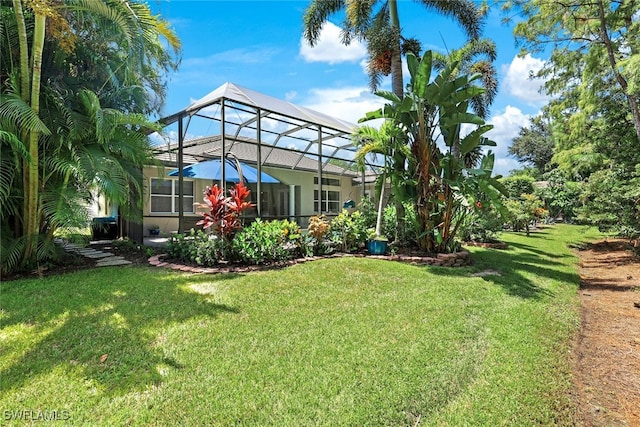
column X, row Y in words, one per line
column 466, row 57
column 47, row 68
column 377, row 22
column 387, row 140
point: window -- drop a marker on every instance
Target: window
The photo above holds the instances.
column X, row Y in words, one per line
column 330, row 201
column 165, row 196
column 334, row 182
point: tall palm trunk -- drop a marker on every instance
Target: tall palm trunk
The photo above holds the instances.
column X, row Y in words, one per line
column 32, row 181
column 396, row 60
column 399, row 160
column 24, row 94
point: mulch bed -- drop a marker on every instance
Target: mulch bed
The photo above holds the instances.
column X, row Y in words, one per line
column 607, row 349
column 458, row 259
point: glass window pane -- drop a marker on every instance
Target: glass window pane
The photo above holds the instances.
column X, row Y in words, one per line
column 187, row 203
column 187, row 185
column 334, row 207
column 160, row 186
column 333, row 196
column 160, row 204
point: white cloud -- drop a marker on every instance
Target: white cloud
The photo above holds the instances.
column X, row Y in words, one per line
column 290, row 96
column 330, row 49
column 518, row 80
column 507, row 125
column 349, row 103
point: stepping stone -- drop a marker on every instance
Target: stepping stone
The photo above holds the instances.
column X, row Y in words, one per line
column 87, row 251
column 112, row 257
column 107, row 262
column 98, row 255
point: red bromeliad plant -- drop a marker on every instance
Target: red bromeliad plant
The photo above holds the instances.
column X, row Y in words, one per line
column 224, row 212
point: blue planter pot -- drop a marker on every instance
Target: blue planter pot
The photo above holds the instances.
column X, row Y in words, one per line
column 377, row 247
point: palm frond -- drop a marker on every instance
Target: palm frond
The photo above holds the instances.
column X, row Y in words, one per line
column 15, row 109
column 316, row 15
column 465, row 12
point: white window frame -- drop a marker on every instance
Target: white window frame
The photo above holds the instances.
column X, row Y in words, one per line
column 326, row 201
column 174, row 196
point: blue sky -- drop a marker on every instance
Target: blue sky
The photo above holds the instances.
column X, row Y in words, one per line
column 259, row 45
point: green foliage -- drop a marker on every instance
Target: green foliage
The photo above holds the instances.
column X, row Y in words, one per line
column 524, row 211
column 184, row 247
column 534, row 144
column 69, row 128
column 561, row 196
column 611, row 201
column 259, row 243
column 481, row 224
column 586, row 72
column 430, row 110
column 349, row 231
column 266, row 242
column 369, row 211
column 411, row 224
column 210, row 252
column 517, row 185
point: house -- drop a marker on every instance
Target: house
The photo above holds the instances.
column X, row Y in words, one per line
column 301, row 160
column 291, row 192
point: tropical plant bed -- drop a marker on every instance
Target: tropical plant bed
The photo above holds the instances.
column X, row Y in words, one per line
column 410, row 256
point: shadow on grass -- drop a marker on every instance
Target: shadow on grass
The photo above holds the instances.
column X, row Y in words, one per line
column 511, row 266
column 530, row 248
column 102, row 325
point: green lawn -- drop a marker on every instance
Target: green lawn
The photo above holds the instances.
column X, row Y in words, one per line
column 350, row 341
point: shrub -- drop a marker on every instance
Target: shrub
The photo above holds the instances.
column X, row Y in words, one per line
column 517, row 185
column 316, row 241
column 411, row 226
column 349, row 231
column 184, row 247
column 212, row 251
column 524, row 211
column 263, row 242
column 369, row 211
column 482, row 224
column 223, row 213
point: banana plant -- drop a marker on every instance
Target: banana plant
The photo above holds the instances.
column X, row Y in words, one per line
column 431, row 112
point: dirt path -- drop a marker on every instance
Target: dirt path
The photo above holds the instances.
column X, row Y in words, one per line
column 607, row 353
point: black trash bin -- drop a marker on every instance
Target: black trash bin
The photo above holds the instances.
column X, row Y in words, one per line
column 104, row 228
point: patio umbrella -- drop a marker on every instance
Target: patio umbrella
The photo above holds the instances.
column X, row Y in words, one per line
column 212, row 169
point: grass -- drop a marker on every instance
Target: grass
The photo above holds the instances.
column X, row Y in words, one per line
column 347, row 341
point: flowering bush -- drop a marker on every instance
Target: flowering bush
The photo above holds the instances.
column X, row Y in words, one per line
column 316, row 242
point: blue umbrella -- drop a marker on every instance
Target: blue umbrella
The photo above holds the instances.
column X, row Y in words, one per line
column 212, row 169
